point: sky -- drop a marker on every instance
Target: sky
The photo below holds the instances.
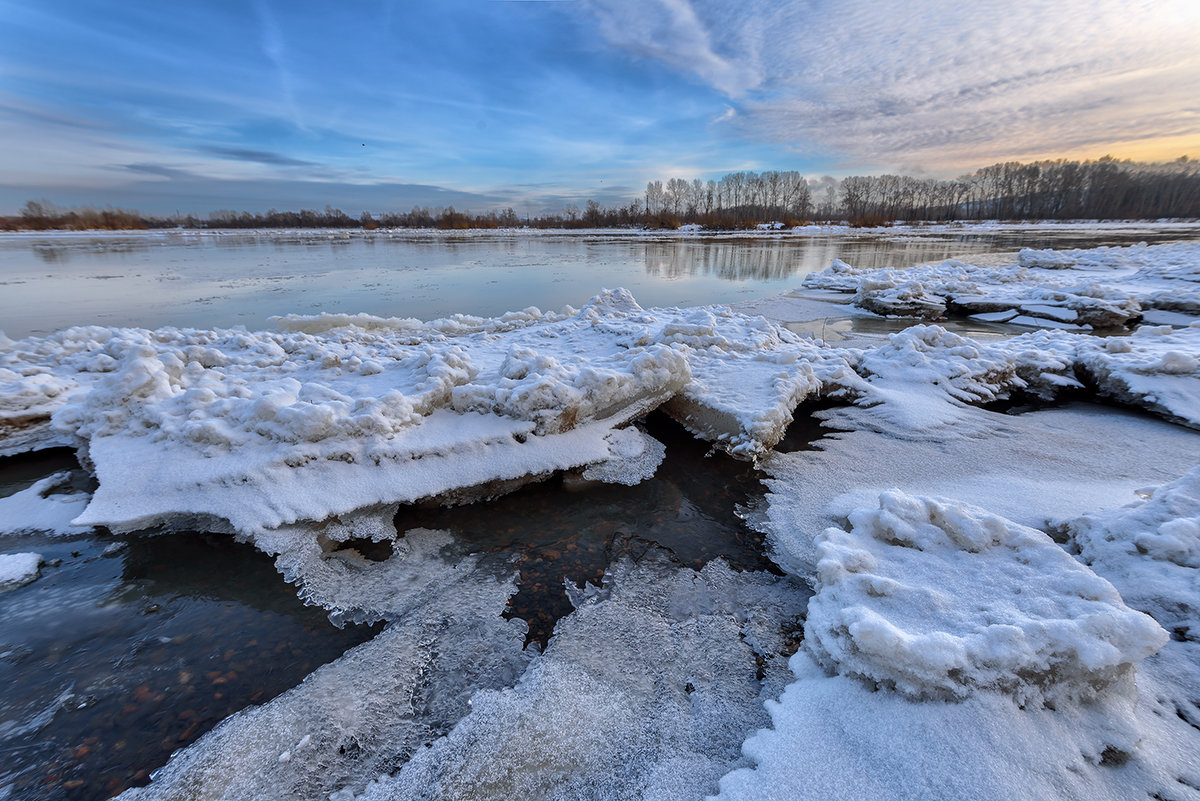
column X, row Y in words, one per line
column 198, row 106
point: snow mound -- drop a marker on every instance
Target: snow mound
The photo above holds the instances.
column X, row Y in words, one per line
column 938, row 599
column 646, row 690
column 1151, row 551
column 18, row 569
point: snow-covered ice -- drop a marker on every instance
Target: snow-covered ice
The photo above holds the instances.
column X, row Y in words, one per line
column 936, row 599
column 18, row 569
column 1080, row 289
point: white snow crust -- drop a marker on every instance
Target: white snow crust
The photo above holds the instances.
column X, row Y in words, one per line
column 937, row 599
column 337, row 413
column 18, row 569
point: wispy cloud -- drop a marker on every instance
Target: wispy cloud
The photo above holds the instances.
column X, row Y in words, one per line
column 929, row 82
column 257, row 156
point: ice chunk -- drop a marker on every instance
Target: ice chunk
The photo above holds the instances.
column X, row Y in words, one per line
column 1157, row 368
column 48, row 506
column 636, row 455
column 18, row 569
column 922, row 379
column 1101, row 287
column 938, row 599
column 1151, row 551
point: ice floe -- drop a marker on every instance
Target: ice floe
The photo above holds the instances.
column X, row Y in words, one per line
column 1079, row 289
column 18, row 569
column 339, row 413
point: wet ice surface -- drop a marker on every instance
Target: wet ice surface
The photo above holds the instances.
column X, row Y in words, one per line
column 128, row 648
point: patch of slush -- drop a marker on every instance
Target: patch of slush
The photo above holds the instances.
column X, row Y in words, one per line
column 938, row 599
column 18, row 569
column 646, row 691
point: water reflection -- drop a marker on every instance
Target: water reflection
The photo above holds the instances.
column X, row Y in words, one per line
column 219, row 279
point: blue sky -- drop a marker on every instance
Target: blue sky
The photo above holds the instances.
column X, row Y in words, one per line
column 536, row 103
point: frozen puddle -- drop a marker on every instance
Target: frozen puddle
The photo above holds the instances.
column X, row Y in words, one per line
column 1060, row 665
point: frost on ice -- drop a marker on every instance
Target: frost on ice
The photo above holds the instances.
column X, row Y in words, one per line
column 646, row 691
column 937, row 599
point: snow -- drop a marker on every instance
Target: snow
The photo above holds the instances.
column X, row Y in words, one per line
column 18, row 569
column 336, row 413
column 1150, row 549
column 1078, row 289
column 937, row 599
column 48, row 506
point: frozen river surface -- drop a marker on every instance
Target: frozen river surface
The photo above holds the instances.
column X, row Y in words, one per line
column 228, row 278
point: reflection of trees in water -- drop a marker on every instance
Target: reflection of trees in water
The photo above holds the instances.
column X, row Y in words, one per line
column 51, row 254
column 60, row 253
column 765, row 261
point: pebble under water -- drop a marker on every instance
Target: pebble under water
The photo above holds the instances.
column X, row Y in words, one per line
column 135, row 646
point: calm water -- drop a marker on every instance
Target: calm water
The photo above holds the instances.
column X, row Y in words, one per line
column 133, row 646
column 207, row 279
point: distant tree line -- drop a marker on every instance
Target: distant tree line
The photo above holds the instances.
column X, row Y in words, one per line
column 1045, row 190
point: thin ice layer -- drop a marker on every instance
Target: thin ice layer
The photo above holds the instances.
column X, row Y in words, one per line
column 939, row 599
column 368, row 712
column 646, row 691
